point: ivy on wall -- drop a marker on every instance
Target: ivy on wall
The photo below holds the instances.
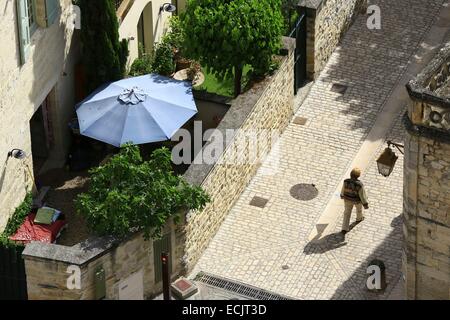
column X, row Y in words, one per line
column 16, row 220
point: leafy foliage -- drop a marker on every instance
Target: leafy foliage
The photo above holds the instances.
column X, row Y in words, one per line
column 290, row 15
column 142, row 65
column 162, row 59
column 16, row 220
column 163, row 62
column 104, row 56
column 227, row 35
column 174, row 37
column 129, row 194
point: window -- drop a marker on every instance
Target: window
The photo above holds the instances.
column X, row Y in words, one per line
column 23, row 22
column 30, row 15
column 31, row 11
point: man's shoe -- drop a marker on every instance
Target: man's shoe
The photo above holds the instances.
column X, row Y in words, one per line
column 344, row 232
column 358, row 221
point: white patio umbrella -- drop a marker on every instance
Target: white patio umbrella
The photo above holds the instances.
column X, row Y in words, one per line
column 138, row 110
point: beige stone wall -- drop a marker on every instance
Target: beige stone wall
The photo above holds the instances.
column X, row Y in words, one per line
column 23, row 89
column 326, row 24
column 46, row 267
column 426, row 256
column 156, row 24
column 226, row 181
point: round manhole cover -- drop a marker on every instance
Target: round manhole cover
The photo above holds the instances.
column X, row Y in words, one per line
column 304, row 191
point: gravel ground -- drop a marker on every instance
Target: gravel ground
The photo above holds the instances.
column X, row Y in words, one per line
column 65, row 186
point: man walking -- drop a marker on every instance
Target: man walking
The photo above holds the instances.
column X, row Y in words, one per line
column 354, row 195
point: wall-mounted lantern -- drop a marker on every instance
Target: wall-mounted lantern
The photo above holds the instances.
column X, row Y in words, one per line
column 167, row 7
column 386, row 161
column 17, row 154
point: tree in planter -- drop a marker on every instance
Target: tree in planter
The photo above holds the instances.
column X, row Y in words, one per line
column 163, row 61
column 104, row 57
column 129, row 194
column 143, row 64
column 227, row 35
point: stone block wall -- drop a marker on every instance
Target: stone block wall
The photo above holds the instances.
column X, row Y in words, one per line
column 267, row 106
column 426, row 252
column 327, row 21
column 426, row 256
column 47, row 265
column 48, row 71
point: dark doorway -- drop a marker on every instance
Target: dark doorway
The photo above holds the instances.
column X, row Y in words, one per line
column 13, row 281
column 41, row 138
column 299, row 33
column 160, row 246
column 140, row 34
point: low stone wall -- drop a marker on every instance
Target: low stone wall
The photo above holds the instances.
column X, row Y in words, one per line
column 268, row 106
column 47, row 265
column 327, row 21
column 426, row 253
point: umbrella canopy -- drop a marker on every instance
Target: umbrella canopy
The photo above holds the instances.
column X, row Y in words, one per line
column 139, row 110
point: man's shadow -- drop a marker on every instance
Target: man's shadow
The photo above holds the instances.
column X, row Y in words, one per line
column 331, row 241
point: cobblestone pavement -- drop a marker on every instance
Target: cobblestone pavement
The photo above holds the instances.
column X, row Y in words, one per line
column 268, row 247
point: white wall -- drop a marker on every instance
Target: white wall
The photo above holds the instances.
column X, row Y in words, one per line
column 128, row 27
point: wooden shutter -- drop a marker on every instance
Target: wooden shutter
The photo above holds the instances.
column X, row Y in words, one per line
column 160, row 246
column 52, row 11
column 24, row 30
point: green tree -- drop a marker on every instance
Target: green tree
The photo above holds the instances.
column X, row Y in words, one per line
column 130, row 194
column 104, row 57
column 226, row 35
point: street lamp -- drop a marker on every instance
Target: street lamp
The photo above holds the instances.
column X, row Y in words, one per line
column 17, row 153
column 387, row 159
column 167, row 7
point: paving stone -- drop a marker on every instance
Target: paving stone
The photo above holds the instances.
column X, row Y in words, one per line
column 252, row 248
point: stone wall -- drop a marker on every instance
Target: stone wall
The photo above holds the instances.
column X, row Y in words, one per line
column 426, row 254
column 267, row 106
column 49, row 71
column 47, row 265
column 327, row 21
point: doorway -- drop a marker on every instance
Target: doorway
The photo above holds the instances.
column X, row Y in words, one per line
column 145, row 30
column 41, row 137
column 160, row 246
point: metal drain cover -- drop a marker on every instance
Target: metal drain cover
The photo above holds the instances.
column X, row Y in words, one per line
column 339, row 88
column 304, row 192
column 300, row 121
column 259, row 202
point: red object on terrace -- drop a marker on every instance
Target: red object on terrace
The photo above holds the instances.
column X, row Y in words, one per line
column 30, row 231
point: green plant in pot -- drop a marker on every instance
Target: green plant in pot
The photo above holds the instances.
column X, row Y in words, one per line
column 163, row 62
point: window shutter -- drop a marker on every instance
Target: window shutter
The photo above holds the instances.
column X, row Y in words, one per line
column 41, row 14
column 24, row 30
column 52, row 11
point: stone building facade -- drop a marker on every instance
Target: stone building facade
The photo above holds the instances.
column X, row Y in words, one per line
column 37, row 57
column 327, row 21
column 426, row 254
